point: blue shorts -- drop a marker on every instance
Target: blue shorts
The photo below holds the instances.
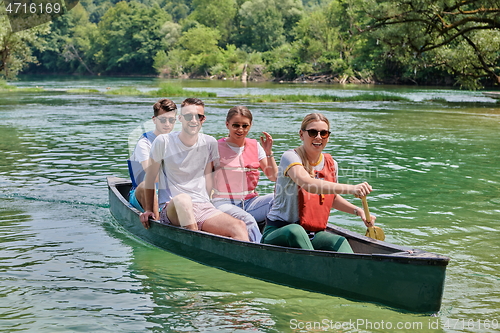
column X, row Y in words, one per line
column 134, row 202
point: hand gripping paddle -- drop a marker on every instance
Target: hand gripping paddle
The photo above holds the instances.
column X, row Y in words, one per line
column 372, row 232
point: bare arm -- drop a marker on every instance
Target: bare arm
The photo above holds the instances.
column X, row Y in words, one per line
column 209, row 179
column 270, row 168
column 347, row 207
column 268, row 164
column 317, row 186
column 149, row 184
column 145, row 164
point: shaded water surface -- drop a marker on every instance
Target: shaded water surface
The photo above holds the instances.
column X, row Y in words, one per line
column 65, row 266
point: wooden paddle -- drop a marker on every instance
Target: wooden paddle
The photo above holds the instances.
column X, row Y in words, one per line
column 372, row 232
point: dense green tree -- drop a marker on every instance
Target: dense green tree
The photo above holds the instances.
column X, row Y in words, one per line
column 129, row 37
column 325, row 42
column 16, row 49
column 403, row 41
column 178, row 9
column 200, row 40
column 313, row 4
column 475, row 59
column 196, row 51
column 291, row 12
column 316, row 39
column 218, row 14
column 266, row 24
column 96, row 9
column 232, row 62
column 261, row 25
column 282, row 62
column 78, row 48
column 170, row 33
column 453, row 35
column 68, row 44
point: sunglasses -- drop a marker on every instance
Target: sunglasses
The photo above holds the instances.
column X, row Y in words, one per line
column 163, row 120
column 236, row 126
column 314, row 133
column 190, row 116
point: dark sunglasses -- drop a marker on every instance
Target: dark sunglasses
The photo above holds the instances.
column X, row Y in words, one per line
column 244, row 126
column 190, row 116
column 314, row 133
column 163, row 120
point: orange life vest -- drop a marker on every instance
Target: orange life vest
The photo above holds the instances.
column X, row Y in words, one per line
column 237, row 175
column 314, row 209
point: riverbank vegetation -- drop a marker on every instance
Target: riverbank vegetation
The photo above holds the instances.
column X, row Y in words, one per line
column 297, row 98
column 165, row 89
column 173, row 90
column 8, row 88
column 432, row 42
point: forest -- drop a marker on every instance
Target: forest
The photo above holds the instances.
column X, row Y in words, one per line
column 424, row 42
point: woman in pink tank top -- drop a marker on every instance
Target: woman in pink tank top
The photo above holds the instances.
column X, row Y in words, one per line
column 237, row 175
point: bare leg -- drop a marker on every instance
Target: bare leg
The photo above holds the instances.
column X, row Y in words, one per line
column 226, row 225
column 180, row 212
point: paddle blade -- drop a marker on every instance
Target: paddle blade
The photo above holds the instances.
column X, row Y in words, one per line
column 375, row 233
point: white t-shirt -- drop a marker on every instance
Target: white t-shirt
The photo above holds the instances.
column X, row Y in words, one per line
column 143, row 147
column 140, row 154
column 183, row 167
column 286, row 193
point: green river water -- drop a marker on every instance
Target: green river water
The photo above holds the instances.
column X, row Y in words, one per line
column 65, row 266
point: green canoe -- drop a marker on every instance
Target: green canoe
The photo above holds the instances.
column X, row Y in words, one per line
column 492, row 94
column 379, row 272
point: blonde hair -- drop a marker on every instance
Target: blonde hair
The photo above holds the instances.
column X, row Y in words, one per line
column 312, row 117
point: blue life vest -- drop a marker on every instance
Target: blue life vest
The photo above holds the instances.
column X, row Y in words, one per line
column 135, row 169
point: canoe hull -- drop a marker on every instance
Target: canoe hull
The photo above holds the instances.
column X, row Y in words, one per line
column 492, row 94
column 382, row 272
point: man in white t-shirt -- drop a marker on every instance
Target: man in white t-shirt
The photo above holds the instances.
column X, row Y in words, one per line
column 184, row 162
column 164, row 113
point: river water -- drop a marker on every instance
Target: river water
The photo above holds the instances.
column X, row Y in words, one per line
column 65, row 266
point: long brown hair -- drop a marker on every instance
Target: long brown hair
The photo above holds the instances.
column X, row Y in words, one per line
column 311, row 117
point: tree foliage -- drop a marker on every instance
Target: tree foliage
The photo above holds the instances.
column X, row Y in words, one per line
column 389, row 41
column 128, row 36
column 261, row 25
column 325, row 43
column 454, row 35
column 217, row 14
column 16, row 49
column 67, row 44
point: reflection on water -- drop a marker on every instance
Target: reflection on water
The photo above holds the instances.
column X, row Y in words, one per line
column 65, row 265
column 194, row 297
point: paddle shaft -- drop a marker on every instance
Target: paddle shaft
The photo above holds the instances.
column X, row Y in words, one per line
column 372, row 232
column 367, row 211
